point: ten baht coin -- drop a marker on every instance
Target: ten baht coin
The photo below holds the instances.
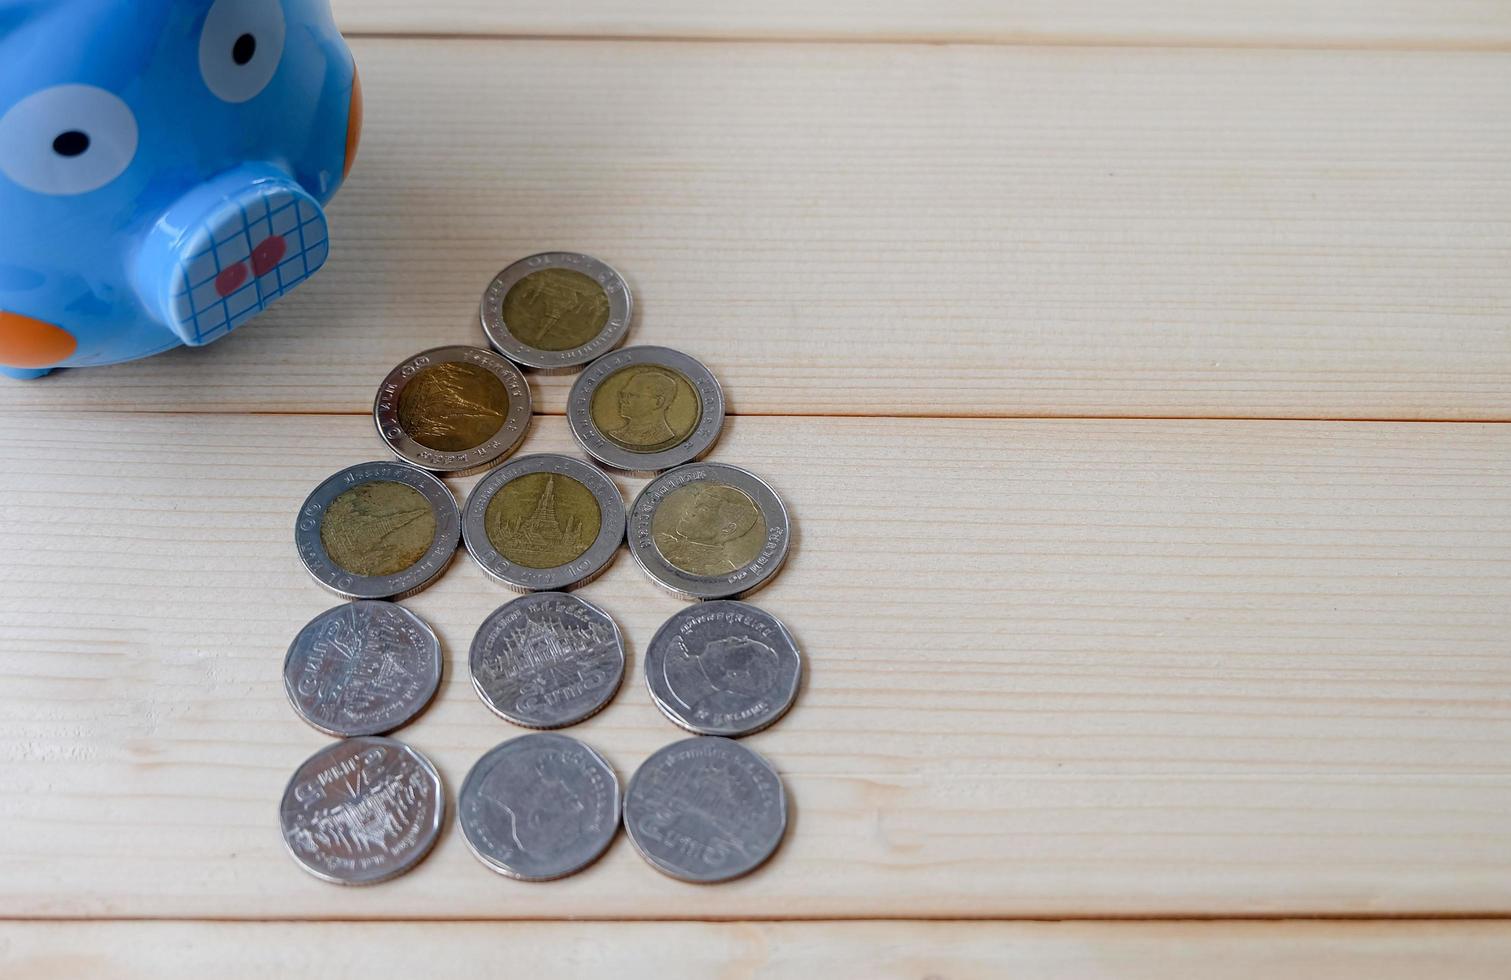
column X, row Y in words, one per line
column 362, row 810
column 709, row 531
column 547, row 660
column 723, row 668
column 453, row 410
column 380, row 530
column 544, row 522
column 363, row 668
column 644, row 409
column 556, row 311
column 539, row 807
column 705, row 809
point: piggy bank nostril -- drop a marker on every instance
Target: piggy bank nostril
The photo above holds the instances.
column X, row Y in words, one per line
column 70, row 144
column 230, row 279
column 244, row 50
column 266, row 256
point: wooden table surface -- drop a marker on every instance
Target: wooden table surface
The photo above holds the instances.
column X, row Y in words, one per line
column 1138, row 376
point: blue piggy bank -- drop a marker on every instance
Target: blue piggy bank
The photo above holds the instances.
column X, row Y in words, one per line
column 163, row 169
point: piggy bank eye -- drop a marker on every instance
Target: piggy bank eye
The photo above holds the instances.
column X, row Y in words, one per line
column 240, row 47
column 69, row 139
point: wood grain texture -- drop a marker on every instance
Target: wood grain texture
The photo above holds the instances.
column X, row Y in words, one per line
column 1057, row 668
column 699, row 951
column 920, row 230
column 1413, row 23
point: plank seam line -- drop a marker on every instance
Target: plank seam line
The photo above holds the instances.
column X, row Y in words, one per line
column 1277, row 918
column 1006, row 40
column 1366, row 420
column 36, row 412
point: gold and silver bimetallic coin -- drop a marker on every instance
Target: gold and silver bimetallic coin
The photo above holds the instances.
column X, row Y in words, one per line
column 362, row 810
column 453, row 410
column 644, row 409
column 539, row 807
column 544, row 522
column 556, row 311
column 380, row 530
column 709, row 531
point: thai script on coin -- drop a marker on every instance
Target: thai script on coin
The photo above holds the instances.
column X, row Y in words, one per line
column 547, row 660
column 544, row 522
column 723, row 668
column 362, row 810
column 380, row 530
column 709, row 531
column 363, row 668
column 453, row 410
column 644, row 409
column 556, row 311
column 540, row 806
column 705, row 809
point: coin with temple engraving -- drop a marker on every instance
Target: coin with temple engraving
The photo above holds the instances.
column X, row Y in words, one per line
column 362, row 810
column 363, row 668
column 547, row 660
column 539, row 807
column 709, row 531
column 453, row 410
column 544, row 522
column 556, row 311
column 380, row 530
column 644, row 409
column 705, row 809
column 723, row 668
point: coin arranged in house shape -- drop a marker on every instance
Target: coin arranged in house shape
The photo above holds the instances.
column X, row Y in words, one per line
column 453, row 410
column 723, row 668
column 544, row 522
column 539, row 807
column 547, row 660
column 709, row 531
column 556, row 311
column 380, row 530
column 362, row 810
column 705, row 809
column 644, row 409
column 362, row 668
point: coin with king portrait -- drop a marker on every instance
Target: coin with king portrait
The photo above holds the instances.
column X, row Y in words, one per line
column 708, row 528
column 709, row 531
column 644, row 409
column 723, row 668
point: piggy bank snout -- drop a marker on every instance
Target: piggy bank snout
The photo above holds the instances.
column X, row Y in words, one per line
column 225, row 250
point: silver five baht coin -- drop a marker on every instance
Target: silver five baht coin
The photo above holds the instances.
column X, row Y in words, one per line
column 539, row 807
column 363, row 668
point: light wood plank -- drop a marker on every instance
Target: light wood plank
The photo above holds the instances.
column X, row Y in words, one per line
column 1474, row 23
column 698, row 951
column 899, row 230
column 1057, row 668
